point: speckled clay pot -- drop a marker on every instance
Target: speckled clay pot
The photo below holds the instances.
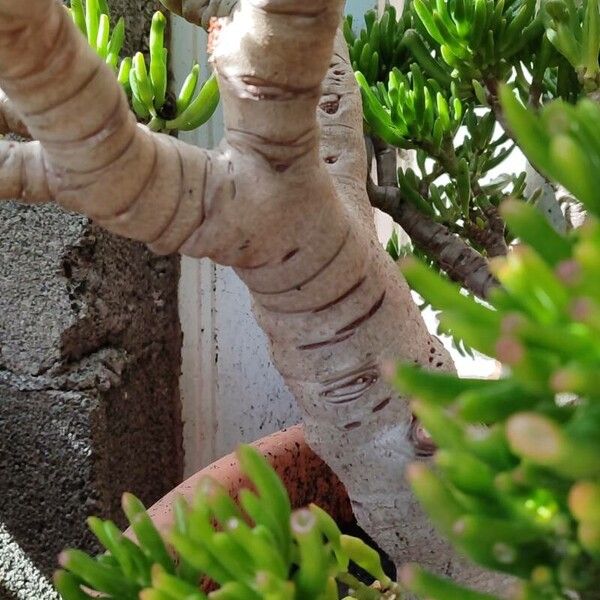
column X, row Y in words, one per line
column 306, row 477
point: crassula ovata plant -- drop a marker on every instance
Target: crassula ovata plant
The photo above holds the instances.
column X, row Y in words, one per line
column 286, row 201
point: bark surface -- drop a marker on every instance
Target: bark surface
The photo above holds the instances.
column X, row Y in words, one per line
column 283, row 201
column 460, row 261
column 10, row 120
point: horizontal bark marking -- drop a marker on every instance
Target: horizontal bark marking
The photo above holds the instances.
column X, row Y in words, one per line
column 319, row 309
column 84, row 84
column 290, row 255
column 353, row 425
column 256, row 88
column 368, row 315
column 312, row 277
column 55, row 45
column 343, row 297
column 330, row 342
column 297, row 10
column 349, row 330
column 382, row 405
column 112, row 125
column 261, row 265
column 306, row 137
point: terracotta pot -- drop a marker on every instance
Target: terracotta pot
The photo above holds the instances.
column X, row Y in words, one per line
column 306, row 477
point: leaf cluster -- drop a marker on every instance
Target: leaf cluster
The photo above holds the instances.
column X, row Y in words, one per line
column 522, row 495
column 146, row 82
column 257, row 549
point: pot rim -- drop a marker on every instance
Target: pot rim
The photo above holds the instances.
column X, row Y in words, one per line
column 306, row 477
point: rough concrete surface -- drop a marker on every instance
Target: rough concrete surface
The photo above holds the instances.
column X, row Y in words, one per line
column 89, row 366
column 138, row 14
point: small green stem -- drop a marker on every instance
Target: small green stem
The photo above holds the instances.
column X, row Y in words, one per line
column 437, row 172
column 359, row 589
column 446, row 156
column 157, row 124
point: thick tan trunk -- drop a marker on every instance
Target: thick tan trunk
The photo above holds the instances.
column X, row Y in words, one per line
column 283, row 201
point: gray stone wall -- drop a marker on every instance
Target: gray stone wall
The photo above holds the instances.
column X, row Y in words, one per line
column 138, row 14
column 89, row 366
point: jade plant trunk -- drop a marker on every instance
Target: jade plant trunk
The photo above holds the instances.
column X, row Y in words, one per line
column 283, row 201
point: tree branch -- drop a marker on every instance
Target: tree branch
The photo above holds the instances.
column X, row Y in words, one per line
column 491, row 237
column 91, row 157
column 387, row 163
column 462, row 263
